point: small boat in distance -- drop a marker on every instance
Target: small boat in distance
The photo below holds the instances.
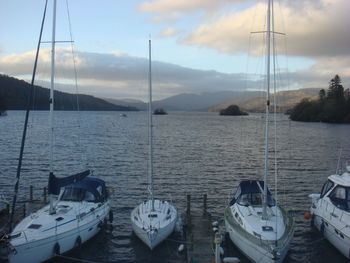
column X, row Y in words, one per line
column 78, row 209
column 330, row 211
column 160, row 111
column 256, row 224
column 153, row 220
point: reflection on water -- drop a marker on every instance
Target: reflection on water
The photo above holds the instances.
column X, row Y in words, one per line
column 194, row 153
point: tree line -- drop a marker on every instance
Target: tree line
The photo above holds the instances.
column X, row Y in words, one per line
column 332, row 106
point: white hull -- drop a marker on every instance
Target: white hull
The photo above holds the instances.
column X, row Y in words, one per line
column 331, row 211
column 153, row 230
column 329, row 232
column 252, row 251
column 68, row 235
column 255, row 249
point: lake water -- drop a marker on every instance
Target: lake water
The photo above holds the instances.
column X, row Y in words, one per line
column 194, row 153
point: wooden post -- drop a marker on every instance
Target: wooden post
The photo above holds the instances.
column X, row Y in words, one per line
column 188, row 204
column 205, row 204
column 45, row 200
column 30, row 193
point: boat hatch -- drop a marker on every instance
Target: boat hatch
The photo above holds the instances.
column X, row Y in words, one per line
column 34, row 226
column 152, row 215
column 59, row 218
column 267, row 228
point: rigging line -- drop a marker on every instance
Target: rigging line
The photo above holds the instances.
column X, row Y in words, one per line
column 275, row 110
column 339, row 157
column 84, row 160
column 29, row 102
column 287, row 83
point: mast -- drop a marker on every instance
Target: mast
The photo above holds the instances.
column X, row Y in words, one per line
column 150, row 127
column 268, row 42
column 52, row 209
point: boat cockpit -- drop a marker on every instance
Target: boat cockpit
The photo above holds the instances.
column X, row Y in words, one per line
column 251, row 193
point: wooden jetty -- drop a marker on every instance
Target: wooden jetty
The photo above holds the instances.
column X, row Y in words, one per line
column 199, row 233
column 23, row 208
column 199, row 230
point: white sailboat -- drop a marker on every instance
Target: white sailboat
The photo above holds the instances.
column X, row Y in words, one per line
column 79, row 207
column 260, row 228
column 153, row 220
column 330, row 211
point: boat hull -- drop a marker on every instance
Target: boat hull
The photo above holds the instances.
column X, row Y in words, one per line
column 152, row 239
column 153, row 232
column 39, row 250
column 253, row 248
column 335, row 236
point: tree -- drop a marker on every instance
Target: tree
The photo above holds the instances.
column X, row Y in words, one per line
column 336, row 89
column 333, row 107
column 322, row 95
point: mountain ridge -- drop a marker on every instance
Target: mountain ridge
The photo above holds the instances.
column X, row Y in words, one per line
column 14, row 96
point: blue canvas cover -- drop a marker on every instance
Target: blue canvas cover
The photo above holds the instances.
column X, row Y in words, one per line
column 249, row 193
column 251, row 186
column 55, row 183
column 91, row 185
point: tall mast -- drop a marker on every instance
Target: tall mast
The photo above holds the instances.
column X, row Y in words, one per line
column 150, row 127
column 268, row 40
column 52, row 210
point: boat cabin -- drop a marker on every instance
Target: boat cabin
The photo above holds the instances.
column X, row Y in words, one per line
column 251, row 193
column 88, row 189
column 338, row 194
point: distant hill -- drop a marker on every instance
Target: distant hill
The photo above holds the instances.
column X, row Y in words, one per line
column 14, row 95
column 190, row 101
column 139, row 104
column 285, row 101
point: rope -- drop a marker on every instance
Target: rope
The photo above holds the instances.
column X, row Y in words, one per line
column 78, row 259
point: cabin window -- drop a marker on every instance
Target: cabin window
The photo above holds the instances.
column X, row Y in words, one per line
column 267, row 228
column 340, row 197
column 73, row 194
column 89, row 196
column 255, row 199
column 326, row 187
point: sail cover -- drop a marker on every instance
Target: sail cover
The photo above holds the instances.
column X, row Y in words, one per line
column 55, row 183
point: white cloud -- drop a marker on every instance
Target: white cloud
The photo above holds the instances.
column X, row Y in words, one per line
column 321, row 30
column 169, row 32
column 117, row 74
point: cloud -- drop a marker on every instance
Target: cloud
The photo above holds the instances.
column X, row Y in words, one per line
column 169, row 32
column 314, row 31
column 119, row 75
column 170, row 10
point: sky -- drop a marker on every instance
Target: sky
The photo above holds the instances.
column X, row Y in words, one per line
column 197, row 46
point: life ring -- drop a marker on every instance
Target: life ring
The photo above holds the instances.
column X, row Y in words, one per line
column 56, row 249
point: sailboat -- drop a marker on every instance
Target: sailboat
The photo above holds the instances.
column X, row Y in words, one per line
column 78, row 209
column 260, row 228
column 153, row 220
column 330, row 210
